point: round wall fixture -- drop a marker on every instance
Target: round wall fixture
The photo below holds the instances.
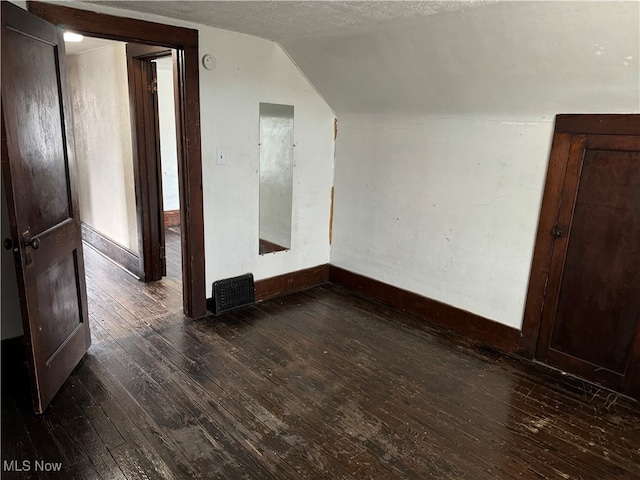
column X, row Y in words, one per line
column 209, row 62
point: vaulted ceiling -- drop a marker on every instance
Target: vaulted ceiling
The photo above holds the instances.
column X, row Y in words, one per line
column 513, row 58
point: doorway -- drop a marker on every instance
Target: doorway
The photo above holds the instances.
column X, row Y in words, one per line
column 583, row 306
column 121, row 206
column 185, row 43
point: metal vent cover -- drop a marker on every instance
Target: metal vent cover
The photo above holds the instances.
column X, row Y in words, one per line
column 232, row 293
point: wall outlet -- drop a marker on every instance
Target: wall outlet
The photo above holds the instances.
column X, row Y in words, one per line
column 221, row 159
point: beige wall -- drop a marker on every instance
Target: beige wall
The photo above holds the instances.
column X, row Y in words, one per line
column 102, row 128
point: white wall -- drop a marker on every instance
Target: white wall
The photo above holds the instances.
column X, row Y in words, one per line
column 102, row 129
column 251, row 70
column 445, row 127
column 168, row 147
column 445, row 207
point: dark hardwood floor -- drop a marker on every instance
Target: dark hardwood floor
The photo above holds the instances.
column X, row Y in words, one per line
column 320, row 384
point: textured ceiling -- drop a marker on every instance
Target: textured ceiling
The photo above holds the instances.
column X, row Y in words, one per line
column 284, row 20
column 523, row 58
column 504, row 58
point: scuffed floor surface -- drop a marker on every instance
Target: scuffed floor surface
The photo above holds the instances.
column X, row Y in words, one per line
column 320, row 384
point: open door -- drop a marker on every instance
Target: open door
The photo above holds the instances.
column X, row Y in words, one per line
column 39, row 174
column 143, row 94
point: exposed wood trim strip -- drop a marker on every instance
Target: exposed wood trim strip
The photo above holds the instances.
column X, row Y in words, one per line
column 465, row 323
column 291, row 282
column 115, row 252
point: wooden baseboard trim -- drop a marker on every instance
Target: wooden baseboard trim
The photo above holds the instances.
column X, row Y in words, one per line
column 115, row 252
column 291, row 282
column 171, row 218
column 462, row 322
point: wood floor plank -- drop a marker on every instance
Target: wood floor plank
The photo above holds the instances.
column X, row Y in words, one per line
column 358, row 412
column 196, row 403
column 549, row 421
column 318, row 384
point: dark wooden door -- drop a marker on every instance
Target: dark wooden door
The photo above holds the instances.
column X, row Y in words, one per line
column 591, row 311
column 39, row 174
column 143, row 92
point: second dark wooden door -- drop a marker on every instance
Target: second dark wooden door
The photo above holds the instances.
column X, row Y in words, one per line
column 143, row 92
column 591, row 314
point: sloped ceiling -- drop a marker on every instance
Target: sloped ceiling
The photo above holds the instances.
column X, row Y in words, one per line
column 447, row 57
column 511, row 58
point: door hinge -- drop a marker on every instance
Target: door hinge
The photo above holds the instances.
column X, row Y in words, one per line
column 161, row 252
column 152, row 86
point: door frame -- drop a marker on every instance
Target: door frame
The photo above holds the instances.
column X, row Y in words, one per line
column 566, row 126
column 568, row 130
column 185, row 42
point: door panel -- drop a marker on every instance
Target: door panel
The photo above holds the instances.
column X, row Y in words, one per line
column 39, row 173
column 599, row 300
column 147, row 162
column 61, row 302
column 37, row 97
column 590, row 319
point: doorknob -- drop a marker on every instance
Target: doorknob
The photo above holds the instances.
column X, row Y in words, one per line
column 32, row 242
column 556, row 232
